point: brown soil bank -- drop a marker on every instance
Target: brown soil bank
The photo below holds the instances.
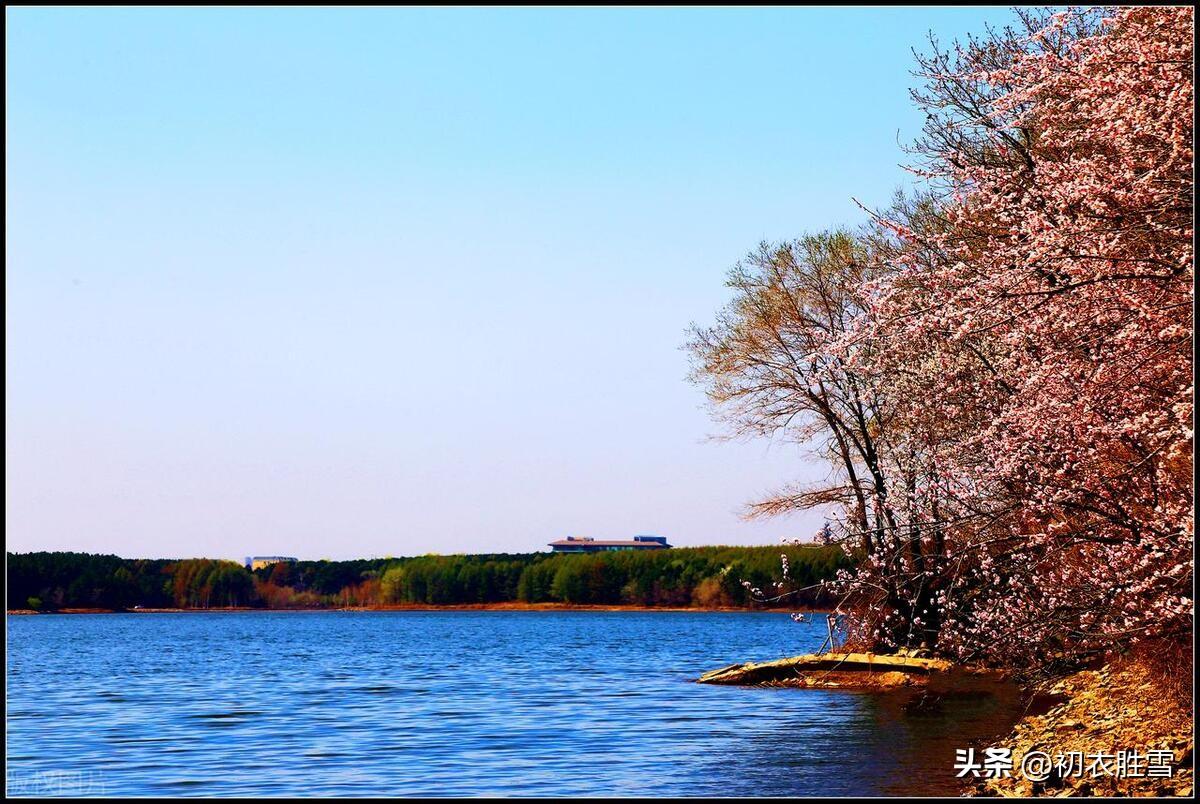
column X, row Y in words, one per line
column 516, row 605
column 1125, row 706
column 504, row 606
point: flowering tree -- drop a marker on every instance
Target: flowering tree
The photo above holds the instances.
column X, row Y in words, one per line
column 1038, row 331
column 1024, row 333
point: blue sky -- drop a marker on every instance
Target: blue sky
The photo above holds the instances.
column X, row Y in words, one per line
column 338, row 283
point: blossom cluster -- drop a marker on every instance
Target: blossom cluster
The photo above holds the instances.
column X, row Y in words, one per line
column 1035, row 338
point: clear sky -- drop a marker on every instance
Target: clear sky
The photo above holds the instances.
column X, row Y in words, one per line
column 340, row 283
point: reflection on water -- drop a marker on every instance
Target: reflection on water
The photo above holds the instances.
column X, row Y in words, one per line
column 454, row 703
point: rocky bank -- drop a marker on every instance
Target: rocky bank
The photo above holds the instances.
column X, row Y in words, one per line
column 1124, row 706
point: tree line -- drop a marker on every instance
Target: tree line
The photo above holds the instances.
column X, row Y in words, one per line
column 703, row 577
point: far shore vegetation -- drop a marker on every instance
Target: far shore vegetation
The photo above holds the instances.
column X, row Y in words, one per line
column 694, row 577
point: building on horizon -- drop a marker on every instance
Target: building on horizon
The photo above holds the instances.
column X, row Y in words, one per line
column 258, row 562
column 584, row 544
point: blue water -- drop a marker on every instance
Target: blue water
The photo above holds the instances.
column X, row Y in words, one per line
column 449, row 703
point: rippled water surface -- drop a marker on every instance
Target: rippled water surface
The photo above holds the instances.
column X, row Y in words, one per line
column 450, row 703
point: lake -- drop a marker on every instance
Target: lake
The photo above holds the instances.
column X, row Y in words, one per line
column 452, row 703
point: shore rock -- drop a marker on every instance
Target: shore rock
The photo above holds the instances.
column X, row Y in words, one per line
column 832, row 670
column 1119, row 707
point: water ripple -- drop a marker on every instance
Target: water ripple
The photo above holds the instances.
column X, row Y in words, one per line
column 454, row 703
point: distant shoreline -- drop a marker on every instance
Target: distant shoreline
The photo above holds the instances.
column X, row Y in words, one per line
column 507, row 606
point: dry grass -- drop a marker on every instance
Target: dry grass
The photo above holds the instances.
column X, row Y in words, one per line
column 1169, row 664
